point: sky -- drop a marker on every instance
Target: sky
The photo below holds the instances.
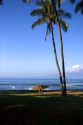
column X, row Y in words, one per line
column 24, row 52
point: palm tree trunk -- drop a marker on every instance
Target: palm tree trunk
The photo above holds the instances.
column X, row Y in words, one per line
column 56, row 59
column 62, row 55
column 63, row 63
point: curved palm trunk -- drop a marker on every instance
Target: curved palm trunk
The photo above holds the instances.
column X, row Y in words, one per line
column 62, row 57
column 56, row 59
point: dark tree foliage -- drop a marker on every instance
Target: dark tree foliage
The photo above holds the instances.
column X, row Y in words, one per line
column 25, row 1
column 1, row 2
column 79, row 7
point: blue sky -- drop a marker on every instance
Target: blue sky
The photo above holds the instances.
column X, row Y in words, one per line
column 24, row 52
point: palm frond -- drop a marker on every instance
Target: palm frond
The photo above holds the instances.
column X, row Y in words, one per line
column 63, row 25
column 39, row 2
column 62, row 13
column 42, row 2
column 38, row 12
column 47, row 5
column 47, row 30
column 1, row 2
column 57, row 2
column 72, row 1
column 79, row 7
column 26, row 1
column 38, row 22
column 54, row 20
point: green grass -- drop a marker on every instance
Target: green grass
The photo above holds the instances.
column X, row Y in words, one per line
column 28, row 108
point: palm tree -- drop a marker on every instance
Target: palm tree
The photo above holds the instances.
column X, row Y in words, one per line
column 61, row 41
column 47, row 15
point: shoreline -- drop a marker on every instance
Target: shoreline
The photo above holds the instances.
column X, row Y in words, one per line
column 35, row 92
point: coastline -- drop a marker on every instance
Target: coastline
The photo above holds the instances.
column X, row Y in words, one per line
column 35, row 92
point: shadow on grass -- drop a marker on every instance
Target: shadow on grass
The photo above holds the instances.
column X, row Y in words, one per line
column 18, row 109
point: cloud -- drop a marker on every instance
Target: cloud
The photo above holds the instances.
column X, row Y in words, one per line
column 75, row 68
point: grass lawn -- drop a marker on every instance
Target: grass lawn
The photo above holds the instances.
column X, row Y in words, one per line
column 27, row 108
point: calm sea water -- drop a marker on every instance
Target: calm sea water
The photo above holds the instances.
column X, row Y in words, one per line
column 26, row 84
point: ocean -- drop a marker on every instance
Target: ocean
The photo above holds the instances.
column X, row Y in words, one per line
column 26, row 84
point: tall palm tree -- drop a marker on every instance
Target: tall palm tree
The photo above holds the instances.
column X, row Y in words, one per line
column 61, row 42
column 47, row 15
